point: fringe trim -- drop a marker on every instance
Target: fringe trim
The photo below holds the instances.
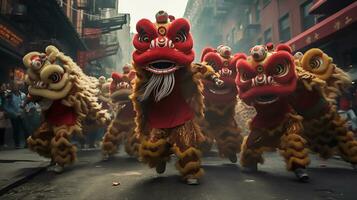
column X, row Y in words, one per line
column 191, row 169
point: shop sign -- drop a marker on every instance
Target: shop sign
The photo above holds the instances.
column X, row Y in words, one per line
column 10, row 36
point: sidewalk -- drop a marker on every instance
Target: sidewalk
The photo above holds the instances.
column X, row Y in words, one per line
column 17, row 166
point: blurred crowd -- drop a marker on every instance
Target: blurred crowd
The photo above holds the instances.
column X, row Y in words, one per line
column 18, row 118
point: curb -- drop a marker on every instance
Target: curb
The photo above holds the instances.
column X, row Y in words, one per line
column 23, row 178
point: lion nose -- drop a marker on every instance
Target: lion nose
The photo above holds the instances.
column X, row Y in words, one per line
column 225, row 72
column 261, row 79
column 161, row 42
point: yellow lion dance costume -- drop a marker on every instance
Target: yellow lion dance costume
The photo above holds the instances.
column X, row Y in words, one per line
column 315, row 98
column 220, row 101
column 67, row 96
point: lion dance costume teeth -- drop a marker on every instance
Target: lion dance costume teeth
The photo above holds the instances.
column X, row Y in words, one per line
column 67, row 96
column 122, row 126
column 168, row 96
column 264, row 81
column 315, row 98
column 219, row 123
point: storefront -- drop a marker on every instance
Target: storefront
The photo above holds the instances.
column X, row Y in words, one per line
column 335, row 34
column 11, row 52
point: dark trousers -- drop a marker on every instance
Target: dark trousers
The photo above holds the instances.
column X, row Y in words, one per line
column 18, row 127
column 2, row 136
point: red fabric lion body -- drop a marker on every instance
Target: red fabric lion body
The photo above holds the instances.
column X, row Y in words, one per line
column 293, row 97
column 219, row 123
column 168, row 95
column 265, row 80
column 122, row 126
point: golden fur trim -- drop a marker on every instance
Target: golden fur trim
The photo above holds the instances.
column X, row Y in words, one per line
column 191, row 151
column 250, row 156
column 303, row 162
column 152, row 149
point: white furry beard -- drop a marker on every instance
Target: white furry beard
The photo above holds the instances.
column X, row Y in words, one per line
column 160, row 85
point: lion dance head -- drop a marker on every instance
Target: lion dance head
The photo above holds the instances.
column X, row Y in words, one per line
column 266, row 76
column 224, row 63
column 121, row 86
column 332, row 80
column 49, row 74
column 162, row 48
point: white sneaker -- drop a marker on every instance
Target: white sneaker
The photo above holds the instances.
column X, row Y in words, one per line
column 58, row 168
column 192, row 181
column 51, row 168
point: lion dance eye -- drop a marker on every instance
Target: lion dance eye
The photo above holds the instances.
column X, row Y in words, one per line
column 180, row 37
column 244, row 77
column 315, row 62
column 144, row 38
column 281, row 69
column 55, row 77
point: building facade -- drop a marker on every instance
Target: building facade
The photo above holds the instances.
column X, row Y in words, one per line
column 335, row 32
column 86, row 30
column 302, row 24
column 30, row 25
column 244, row 23
column 101, row 27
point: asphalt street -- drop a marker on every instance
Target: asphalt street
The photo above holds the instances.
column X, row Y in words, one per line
column 91, row 178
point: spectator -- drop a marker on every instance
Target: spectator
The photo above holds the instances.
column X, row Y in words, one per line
column 13, row 106
column 346, row 112
column 3, row 121
column 2, row 128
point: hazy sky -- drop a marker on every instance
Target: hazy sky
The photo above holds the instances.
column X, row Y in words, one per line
column 139, row 9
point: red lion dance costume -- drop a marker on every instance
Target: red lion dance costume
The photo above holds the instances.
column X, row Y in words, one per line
column 279, row 86
column 264, row 81
column 122, row 126
column 167, row 95
column 219, row 123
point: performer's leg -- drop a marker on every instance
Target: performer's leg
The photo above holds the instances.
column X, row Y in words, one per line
column 250, row 156
column 208, row 141
column 346, row 143
column 112, row 139
column 334, row 134
column 132, row 143
column 155, row 150
column 63, row 152
column 321, row 135
column 229, row 142
column 185, row 140
column 40, row 140
column 207, row 144
column 294, row 150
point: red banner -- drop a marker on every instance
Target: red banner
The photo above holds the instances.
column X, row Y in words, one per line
column 327, row 27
